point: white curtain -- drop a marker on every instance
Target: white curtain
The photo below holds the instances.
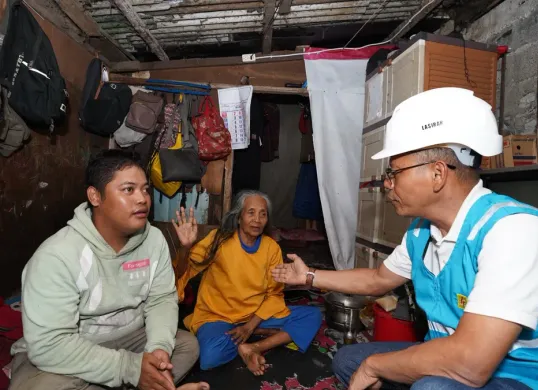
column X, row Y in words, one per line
column 336, row 88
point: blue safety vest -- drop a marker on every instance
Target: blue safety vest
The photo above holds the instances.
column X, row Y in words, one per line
column 443, row 297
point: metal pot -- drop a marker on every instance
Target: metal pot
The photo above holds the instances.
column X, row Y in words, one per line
column 342, row 311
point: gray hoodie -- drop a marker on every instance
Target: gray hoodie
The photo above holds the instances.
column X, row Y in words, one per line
column 78, row 292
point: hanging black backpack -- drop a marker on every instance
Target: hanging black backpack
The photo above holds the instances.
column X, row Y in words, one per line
column 104, row 105
column 30, row 72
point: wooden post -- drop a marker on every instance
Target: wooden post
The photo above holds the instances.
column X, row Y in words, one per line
column 227, row 193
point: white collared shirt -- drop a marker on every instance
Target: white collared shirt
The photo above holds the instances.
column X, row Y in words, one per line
column 506, row 284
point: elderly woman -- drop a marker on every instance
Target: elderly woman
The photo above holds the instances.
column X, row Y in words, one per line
column 238, row 296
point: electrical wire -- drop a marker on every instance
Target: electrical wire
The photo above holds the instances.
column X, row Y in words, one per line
column 33, row 9
column 348, row 48
column 374, row 15
column 465, row 67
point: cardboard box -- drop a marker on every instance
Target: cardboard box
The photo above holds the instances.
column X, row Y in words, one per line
column 491, row 162
column 519, row 150
column 486, row 163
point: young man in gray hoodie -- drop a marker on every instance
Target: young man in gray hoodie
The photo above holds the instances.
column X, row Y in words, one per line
column 99, row 298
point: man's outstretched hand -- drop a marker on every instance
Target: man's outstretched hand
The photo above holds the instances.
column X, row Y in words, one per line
column 293, row 273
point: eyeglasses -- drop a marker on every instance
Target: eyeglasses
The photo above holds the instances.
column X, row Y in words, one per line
column 391, row 173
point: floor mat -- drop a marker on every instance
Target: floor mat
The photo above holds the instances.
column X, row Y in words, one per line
column 288, row 369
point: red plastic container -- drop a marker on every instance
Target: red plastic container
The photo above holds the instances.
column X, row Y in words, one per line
column 387, row 328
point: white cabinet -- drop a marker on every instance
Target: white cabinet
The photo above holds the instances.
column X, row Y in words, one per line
column 429, row 62
column 369, row 211
column 366, row 257
column 375, row 98
column 363, row 256
column 405, row 76
column 372, row 143
column 377, row 258
column 428, row 65
column 377, row 220
column 390, row 226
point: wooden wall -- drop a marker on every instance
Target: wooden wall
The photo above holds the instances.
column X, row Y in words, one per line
column 42, row 184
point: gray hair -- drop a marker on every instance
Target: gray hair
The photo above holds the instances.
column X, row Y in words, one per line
column 230, row 222
column 463, row 172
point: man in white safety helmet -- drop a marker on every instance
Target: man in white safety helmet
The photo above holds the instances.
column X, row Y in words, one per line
column 472, row 256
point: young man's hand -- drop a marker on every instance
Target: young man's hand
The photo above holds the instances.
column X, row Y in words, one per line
column 164, row 358
column 186, row 228
column 152, row 375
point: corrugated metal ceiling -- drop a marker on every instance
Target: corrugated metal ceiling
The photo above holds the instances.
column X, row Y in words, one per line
column 178, row 23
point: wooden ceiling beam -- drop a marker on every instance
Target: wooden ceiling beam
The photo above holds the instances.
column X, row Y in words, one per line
column 126, row 8
column 122, row 79
column 136, row 66
column 92, row 30
column 47, row 9
column 79, row 27
column 269, row 15
column 285, row 7
column 75, row 12
column 417, row 16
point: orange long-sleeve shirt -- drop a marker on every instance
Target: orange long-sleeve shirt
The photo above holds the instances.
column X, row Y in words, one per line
column 236, row 284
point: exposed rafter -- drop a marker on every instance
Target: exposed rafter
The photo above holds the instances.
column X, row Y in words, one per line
column 285, row 7
column 75, row 12
column 269, row 15
column 417, row 16
column 126, row 8
column 202, row 28
column 95, row 35
column 49, row 10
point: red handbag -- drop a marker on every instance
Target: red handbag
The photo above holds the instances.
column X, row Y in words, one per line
column 214, row 139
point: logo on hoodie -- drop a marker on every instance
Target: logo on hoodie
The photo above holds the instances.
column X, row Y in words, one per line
column 135, row 265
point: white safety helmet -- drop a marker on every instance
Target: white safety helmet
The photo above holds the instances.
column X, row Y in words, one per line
column 443, row 117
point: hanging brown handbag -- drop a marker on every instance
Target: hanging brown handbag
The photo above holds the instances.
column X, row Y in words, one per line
column 144, row 112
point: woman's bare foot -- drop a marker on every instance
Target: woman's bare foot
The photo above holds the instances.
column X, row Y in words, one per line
column 253, row 359
column 194, row 386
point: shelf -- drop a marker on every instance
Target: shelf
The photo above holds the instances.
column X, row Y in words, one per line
column 522, row 173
